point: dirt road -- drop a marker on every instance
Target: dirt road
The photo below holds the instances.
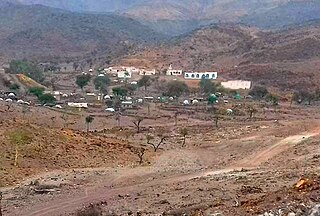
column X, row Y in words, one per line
column 106, row 190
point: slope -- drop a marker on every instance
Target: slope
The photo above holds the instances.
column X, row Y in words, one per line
column 286, row 59
column 173, row 17
column 46, row 32
column 293, row 12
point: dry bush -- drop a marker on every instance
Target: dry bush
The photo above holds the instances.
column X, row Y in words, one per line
column 92, row 210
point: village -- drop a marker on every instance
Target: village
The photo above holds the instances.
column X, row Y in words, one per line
column 172, row 135
column 129, row 77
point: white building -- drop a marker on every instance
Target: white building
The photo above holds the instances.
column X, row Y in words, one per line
column 172, row 72
column 78, row 105
column 237, row 84
column 127, row 104
column 147, row 72
column 201, row 75
column 124, row 74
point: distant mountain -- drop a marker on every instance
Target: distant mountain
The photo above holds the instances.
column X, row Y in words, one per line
column 39, row 31
column 87, row 5
column 176, row 17
column 291, row 13
column 5, row 3
column 286, row 59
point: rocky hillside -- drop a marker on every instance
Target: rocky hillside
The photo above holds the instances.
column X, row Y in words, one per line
column 242, row 52
column 293, row 12
column 39, row 32
column 175, row 17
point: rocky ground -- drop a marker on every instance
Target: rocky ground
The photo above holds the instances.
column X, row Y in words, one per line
column 264, row 166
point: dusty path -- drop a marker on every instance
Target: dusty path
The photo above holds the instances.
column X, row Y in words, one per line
column 107, row 191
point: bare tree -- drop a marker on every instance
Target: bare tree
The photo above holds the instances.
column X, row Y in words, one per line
column 148, row 108
column 89, row 119
column 184, row 132
column 140, row 152
column 217, row 115
column 118, row 118
column 17, row 139
column 64, row 117
column 137, row 122
column 52, row 120
column 176, row 118
column 9, row 105
column 216, row 120
column 252, row 110
column 155, row 146
column 25, row 110
column 0, row 203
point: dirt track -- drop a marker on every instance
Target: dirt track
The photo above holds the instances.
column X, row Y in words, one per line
column 106, row 190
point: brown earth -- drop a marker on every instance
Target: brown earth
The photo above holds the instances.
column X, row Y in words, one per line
column 276, row 58
column 245, row 167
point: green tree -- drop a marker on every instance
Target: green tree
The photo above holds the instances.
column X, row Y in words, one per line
column 131, row 89
column 217, row 115
column 101, row 83
column 259, row 92
column 18, row 139
column 14, row 87
column 120, row 91
column 47, row 99
column 83, row 80
column 303, row 96
column 27, row 68
column 176, row 88
column 145, row 82
column 36, row 91
column 89, row 119
column 207, row 86
column 273, row 99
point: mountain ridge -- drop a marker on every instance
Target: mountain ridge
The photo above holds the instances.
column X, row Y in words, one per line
column 56, row 32
column 175, row 17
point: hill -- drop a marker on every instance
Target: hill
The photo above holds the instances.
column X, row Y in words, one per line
column 85, row 5
column 293, row 12
column 175, row 17
column 46, row 32
column 240, row 52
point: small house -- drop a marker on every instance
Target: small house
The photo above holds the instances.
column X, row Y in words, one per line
column 147, row 72
column 127, row 104
column 236, row 84
column 78, row 105
column 201, row 75
column 123, row 74
column 173, row 72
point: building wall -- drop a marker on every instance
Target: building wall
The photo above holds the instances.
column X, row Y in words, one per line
column 148, row 72
column 237, row 84
column 122, row 74
column 174, row 72
column 200, row 75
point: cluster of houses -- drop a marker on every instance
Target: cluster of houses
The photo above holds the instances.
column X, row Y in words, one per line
column 192, row 75
column 127, row 72
column 123, row 72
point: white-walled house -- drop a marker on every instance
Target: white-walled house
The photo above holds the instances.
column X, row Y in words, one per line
column 78, row 105
column 173, row 72
column 201, row 75
column 236, row 84
column 144, row 72
column 123, row 74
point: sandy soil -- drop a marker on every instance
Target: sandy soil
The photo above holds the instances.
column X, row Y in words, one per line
column 244, row 167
